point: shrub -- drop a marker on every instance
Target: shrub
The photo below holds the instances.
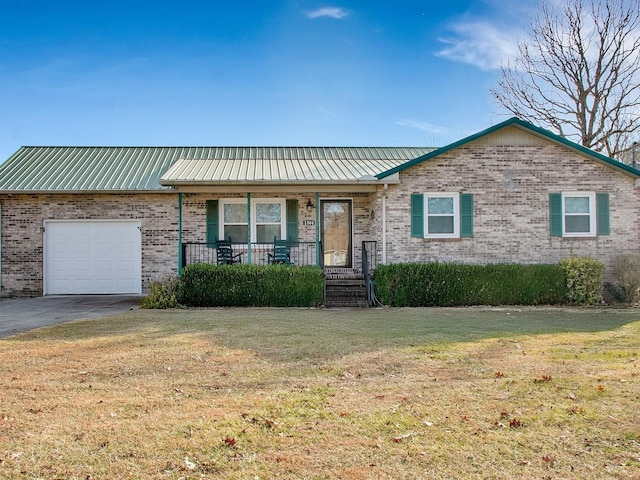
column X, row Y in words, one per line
column 583, row 279
column 163, row 294
column 454, row 284
column 626, row 271
column 205, row 285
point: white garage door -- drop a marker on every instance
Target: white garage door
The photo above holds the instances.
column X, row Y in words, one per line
column 92, row 257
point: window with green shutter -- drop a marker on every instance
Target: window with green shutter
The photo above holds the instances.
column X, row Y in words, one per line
column 268, row 218
column 466, row 215
column 212, row 221
column 417, row 215
column 555, row 214
column 602, row 213
column 578, row 214
column 441, row 215
column 292, row 220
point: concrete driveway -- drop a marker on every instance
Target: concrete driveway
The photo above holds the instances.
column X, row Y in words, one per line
column 22, row 314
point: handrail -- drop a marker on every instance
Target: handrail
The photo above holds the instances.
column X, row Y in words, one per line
column 369, row 250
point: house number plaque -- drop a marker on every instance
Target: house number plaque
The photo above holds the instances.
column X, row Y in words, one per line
column 308, row 223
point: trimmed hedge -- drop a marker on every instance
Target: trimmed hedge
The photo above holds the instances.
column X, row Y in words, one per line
column 453, row 284
column 583, row 279
column 206, row 285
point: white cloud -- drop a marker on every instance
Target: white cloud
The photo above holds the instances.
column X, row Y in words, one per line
column 420, row 125
column 480, row 43
column 331, row 12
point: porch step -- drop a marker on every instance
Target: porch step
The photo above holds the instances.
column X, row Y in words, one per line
column 344, row 287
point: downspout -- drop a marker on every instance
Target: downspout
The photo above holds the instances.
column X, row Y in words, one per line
column 180, row 234
column 317, row 229
column 384, row 224
column 248, row 227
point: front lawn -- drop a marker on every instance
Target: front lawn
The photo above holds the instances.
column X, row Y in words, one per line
column 325, row 394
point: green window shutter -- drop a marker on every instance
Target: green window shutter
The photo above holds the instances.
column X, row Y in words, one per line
column 212, row 221
column 602, row 213
column 466, row 214
column 292, row 220
column 555, row 214
column 417, row 215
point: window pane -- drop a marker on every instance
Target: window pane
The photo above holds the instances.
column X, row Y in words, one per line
column 268, row 212
column 238, row 233
column 265, row 233
column 235, row 213
column 437, row 225
column 576, row 205
column 440, row 205
column 576, row 224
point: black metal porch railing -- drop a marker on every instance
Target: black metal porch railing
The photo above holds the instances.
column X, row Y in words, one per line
column 302, row 253
column 369, row 263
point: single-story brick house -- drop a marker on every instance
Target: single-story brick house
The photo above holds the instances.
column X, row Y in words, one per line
column 80, row 220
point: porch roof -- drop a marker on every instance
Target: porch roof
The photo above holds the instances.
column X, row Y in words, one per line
column 278, row 165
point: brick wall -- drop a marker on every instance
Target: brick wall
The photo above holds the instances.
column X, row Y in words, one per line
column 22, row 236
column 511, row 186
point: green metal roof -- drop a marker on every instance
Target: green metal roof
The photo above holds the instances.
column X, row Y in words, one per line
column 88, row 169
column 514, row 121
column 289, row 165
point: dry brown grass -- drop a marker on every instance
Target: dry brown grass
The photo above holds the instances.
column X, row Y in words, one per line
column 168, row 395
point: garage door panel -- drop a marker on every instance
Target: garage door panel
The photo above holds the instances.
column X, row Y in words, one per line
column 58, row 247
column 127, row 248
column 57, row 267
column 105, row 267
column 93, row 257
column 105, row 284
column 102, row 248
column 80, row 248
column 80, row 267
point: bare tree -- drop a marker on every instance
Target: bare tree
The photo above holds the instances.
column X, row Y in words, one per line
column 578, row 74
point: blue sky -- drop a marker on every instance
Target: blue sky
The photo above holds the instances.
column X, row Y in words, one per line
column 262, row 72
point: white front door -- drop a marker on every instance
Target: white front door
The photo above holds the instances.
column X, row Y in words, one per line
column 92, row 257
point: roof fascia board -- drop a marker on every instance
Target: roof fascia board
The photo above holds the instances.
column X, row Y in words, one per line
column 85, row 192
column 514, row 121
column 301, row 188
column 285, row 184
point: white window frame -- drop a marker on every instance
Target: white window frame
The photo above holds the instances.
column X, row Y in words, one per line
column 456, row 214
column 222, row 223
column 592, row 214
column 253, row 219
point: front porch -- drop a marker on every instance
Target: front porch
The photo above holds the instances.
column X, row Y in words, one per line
column 342, row 286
